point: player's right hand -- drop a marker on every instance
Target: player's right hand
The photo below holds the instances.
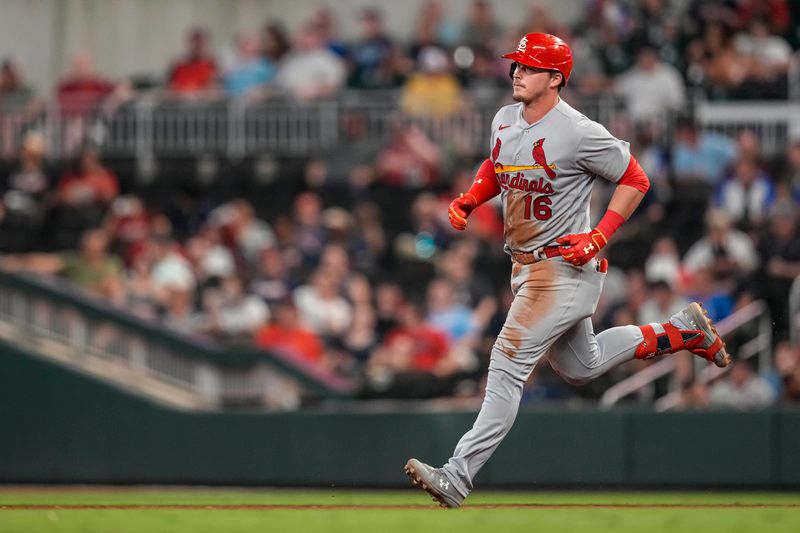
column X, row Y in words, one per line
column 460, row 208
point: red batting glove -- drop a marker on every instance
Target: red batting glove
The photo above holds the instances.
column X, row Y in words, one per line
column 580, row 248
column 460, row 208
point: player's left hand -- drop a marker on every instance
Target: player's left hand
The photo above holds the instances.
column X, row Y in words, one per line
column 580, row 248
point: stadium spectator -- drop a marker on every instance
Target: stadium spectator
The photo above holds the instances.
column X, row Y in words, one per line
column 483, row 80
column 414, row 359
column 701, row 156
column 427, row 236
column 274, row 41
column 344, row 172
column 539, row 19
column 791, row 382
column 89, row 183
column 779, row 249
column 723, row 249
column 446, row 314
column 775, row 14
column 791, row 169
column 481, row 28
column 231, row 312
column 769, row 57
column 662, row 303
column 724, row 67
column 746, row 196
column 82, row 194
column 388, row 299
column 787, row 361
column 25, row 192
column 651, row 87
column 241, row 230
column 91, row 267
column 249, row 73
column 664, row 263
column 271, row 280
column 287, row 335
column 372, row 56
column 741, row 389
column 83, row 96
column 128, row 221
column 321, row 307
column 308, row 234
column 433, row 91
column 324, row 21
column 15, row 93
column 18, row 104
column 143, row 296
column 410, row 159
column 82, row 90
column 433, row 28
column 194, row 75
column 309, row 70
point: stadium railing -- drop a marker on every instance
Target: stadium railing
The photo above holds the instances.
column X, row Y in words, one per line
column 51, row 319
column 150, row 126
column 750, row 326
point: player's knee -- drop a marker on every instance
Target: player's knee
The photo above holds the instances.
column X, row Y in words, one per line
column 575, row 376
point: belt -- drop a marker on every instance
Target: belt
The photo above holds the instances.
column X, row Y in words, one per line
column 540, row 254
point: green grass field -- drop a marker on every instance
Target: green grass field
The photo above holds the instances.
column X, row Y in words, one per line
column 138, row 510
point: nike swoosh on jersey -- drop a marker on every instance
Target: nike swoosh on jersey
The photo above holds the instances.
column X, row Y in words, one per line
column 503, row 126
column 499, row 168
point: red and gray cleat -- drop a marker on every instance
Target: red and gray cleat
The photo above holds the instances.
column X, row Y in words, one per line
column 709, row 345
column 434, row 482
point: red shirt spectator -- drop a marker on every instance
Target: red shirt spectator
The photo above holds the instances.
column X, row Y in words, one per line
column 197, row 71
column 89, row 184
column 287, row 335
column 428, row 345
column 82, row 90
column 193, row 75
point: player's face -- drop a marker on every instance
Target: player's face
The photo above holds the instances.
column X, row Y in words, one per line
column 530, row 84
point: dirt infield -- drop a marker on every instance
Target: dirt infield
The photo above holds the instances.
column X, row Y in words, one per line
column 189, row 507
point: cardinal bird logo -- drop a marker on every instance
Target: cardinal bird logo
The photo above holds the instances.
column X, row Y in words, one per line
column 541, row 159
column 496, row 151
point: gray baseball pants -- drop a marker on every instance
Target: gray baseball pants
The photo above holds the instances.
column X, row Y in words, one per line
column 553, row 303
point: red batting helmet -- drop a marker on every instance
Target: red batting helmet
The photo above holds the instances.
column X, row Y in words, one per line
column 545, row 51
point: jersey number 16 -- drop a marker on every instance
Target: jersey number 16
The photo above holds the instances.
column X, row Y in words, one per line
column 538, row 208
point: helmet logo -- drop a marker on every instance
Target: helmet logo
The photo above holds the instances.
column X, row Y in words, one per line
column 523, row 44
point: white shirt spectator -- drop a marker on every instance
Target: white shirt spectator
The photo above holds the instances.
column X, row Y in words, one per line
column 326, row 316
column 244, row 316
column 312, row 73
column 737, row 245
column 770, row 50
column 652, row 90
column 742, row 390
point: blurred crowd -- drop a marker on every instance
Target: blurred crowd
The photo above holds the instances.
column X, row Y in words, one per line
column 653, row 53
column 347, row 260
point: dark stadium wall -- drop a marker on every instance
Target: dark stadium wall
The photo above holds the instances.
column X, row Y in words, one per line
column 63, row 427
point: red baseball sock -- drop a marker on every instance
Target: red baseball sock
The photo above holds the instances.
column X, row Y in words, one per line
column 669, row 340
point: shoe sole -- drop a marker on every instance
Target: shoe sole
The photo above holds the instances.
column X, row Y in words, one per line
column 722, row 358
column 417, row 480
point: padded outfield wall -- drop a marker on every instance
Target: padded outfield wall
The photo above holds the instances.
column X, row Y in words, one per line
column 59, row 426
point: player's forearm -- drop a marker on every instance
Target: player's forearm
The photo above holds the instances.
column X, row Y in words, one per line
column 625, row 200
column 485, row 187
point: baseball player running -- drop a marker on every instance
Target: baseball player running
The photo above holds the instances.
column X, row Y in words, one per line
column 545, row 157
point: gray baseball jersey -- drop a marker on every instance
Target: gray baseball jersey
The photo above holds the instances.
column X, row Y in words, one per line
column 546, row 172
